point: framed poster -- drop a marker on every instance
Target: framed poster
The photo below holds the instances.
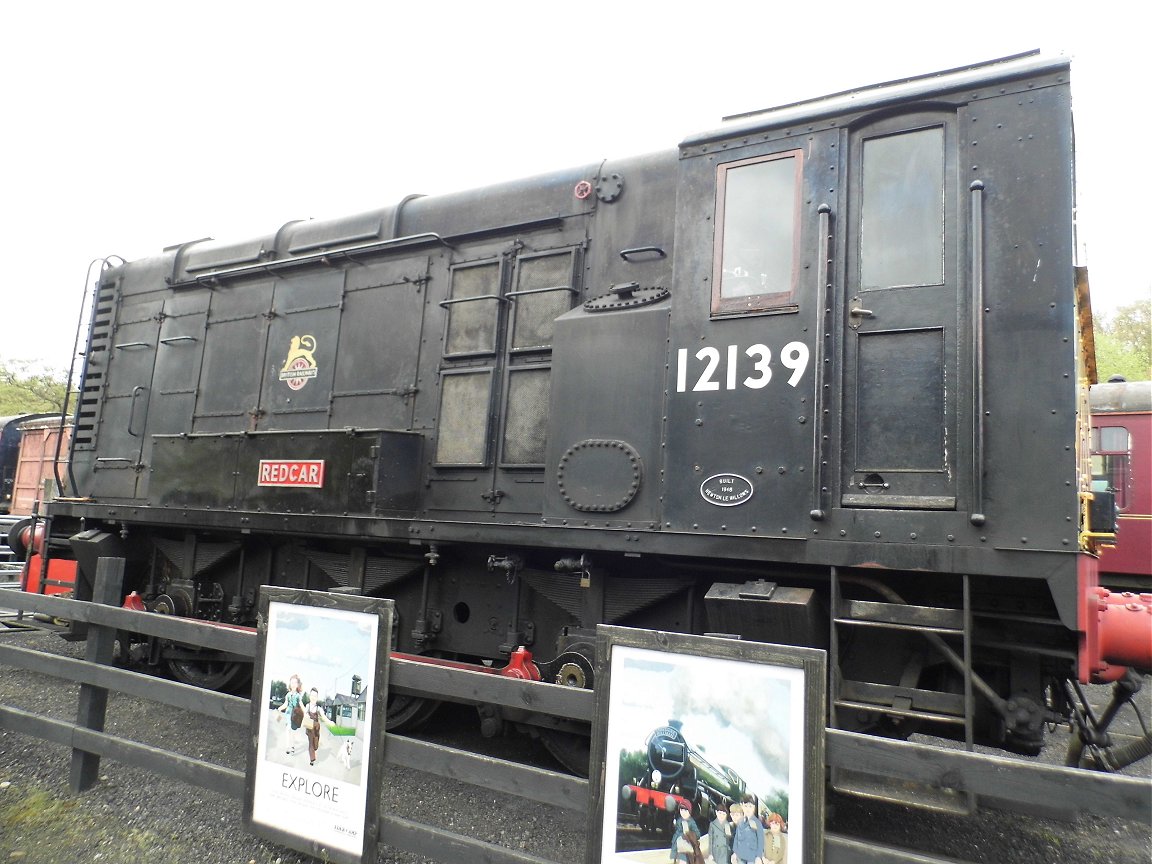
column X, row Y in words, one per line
column 317, row 723
column 706, row 746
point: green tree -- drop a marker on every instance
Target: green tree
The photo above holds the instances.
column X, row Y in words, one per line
column 777, row 802
column 633, row 766
column 25, row 389
column 1124, row 342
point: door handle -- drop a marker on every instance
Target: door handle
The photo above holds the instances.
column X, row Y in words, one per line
column 856, row 311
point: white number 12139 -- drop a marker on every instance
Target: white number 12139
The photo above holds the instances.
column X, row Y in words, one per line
column 793, row 356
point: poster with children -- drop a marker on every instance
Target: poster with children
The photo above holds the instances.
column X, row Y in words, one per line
column 316, row 719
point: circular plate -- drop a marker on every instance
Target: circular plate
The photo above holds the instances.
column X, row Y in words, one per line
column 599, row 475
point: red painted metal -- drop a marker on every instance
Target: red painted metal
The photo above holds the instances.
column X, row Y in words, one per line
column 520, row 666
column 448, row 664
column 1117, row 634
column 1126, row 629
column 666, row 801
column 1088, row 662
column 32, row 537
column 61, row 577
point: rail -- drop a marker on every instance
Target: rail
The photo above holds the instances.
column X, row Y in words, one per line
column 993, row 779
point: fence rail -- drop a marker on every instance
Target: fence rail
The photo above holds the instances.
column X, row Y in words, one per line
column 991, row 777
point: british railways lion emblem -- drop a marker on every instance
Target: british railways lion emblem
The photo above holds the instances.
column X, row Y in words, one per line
column 301, row 364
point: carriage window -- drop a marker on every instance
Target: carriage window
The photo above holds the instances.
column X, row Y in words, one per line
column 472, row 310
column 1111, row 469
column 902, row 214
column 757, row 234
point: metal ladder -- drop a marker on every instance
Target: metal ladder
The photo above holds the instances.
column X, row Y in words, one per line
column 904, row 700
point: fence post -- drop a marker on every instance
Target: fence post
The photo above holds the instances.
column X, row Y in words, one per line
column 93, row 701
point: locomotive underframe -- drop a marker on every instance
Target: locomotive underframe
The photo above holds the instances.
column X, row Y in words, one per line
column 476, row 595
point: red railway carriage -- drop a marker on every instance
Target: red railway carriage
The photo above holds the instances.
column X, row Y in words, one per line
column 1122, row 463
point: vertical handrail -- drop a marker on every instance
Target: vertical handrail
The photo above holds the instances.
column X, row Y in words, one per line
column 969, row 695
column 976, row 189
column 833, row 648
column 969, row 698
column 823, row 333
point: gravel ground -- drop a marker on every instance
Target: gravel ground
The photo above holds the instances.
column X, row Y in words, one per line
column 133, row 816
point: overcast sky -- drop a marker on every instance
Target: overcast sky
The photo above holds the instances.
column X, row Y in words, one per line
column 129, row 127
column 323, row 647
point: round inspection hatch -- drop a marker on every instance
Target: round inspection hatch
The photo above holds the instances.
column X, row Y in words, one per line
column 599, row 475
column 624, row 296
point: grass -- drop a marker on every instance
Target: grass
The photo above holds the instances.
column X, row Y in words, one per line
column 33, row 809
column 37, row 827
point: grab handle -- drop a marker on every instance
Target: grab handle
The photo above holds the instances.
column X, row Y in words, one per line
column 629, row 254
column 823, row 333
column 136, row 391
column 976, row 517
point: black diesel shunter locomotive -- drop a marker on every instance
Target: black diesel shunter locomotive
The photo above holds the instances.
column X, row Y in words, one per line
column 811, row 378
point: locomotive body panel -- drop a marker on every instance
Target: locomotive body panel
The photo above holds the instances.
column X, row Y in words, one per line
column 605, row 456
column 743, row 384
column 823, row 407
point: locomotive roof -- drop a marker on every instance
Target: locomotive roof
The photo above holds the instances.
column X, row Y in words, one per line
column 415, row 220
column 419, row 220
column 878, row 96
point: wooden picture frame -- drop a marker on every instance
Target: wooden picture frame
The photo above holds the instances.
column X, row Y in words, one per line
column 313, row 780
column 708, row 721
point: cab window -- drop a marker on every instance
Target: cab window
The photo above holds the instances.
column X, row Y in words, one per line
column 757, row 234
column 902, row 215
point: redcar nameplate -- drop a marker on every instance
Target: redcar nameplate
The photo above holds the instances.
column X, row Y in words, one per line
column 292, row 472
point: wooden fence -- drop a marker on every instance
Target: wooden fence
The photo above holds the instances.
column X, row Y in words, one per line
column 1007, row 781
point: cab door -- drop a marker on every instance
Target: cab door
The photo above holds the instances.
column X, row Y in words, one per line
column 902, row 308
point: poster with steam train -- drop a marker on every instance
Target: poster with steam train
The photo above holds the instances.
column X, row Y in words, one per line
column 703, row 752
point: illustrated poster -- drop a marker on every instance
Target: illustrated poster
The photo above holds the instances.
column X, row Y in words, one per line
column 315, row 727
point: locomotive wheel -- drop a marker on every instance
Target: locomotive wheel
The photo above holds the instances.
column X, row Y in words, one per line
column 211, row 673
column 409, row 712
column 569, row 749
column 206, row 669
